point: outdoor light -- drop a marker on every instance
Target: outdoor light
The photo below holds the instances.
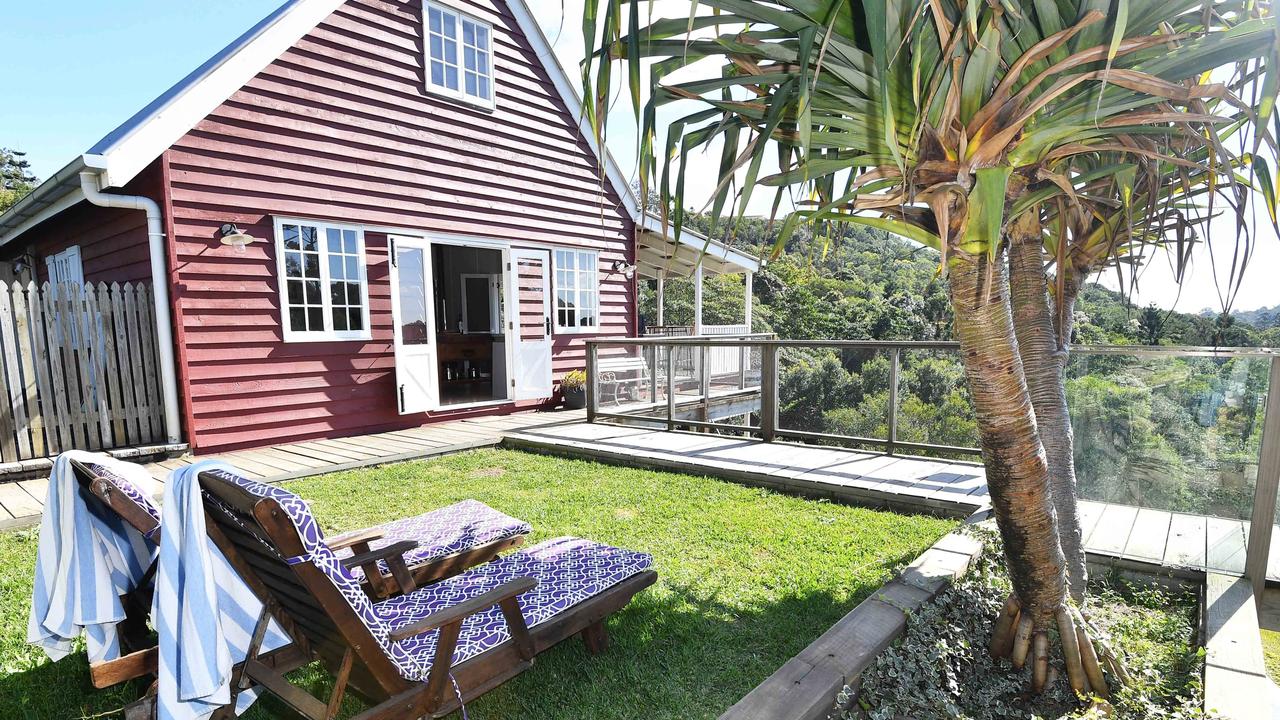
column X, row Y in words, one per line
column 235, row 237
column 626, row 268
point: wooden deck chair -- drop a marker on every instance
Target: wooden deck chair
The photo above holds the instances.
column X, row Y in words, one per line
column 425, row 652
column 404, row 553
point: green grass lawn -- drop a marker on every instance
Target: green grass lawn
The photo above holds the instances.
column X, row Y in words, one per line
column 747, row 578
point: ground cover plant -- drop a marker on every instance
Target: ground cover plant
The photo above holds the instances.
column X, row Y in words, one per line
column 941, row 668
column 747, row 578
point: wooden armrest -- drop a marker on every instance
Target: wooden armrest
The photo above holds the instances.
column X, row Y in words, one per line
column 394, row 550
column 458, row 613
column 363, row 537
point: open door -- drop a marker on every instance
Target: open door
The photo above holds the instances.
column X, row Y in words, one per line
column 413, row 315
column 530, row 330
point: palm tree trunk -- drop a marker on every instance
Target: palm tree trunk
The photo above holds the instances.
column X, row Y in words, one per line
column 1017, row 471
column 1044, row 358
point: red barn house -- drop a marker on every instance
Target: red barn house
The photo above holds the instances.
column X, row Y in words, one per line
column 362, row 215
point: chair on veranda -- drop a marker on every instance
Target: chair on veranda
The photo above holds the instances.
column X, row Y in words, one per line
column 403, row 553
column 427, row 651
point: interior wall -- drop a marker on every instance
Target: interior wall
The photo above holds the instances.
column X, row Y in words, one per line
column 455, row 261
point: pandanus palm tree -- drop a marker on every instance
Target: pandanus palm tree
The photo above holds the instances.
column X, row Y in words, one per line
column 954, row 124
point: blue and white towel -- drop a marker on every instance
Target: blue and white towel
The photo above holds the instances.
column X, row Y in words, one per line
column 204, row 614
column 87, row 559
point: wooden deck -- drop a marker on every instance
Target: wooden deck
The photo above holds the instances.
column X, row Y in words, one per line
column 22, row 502
column 1137, row 538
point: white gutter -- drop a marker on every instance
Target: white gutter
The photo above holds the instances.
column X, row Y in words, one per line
column 159, row 284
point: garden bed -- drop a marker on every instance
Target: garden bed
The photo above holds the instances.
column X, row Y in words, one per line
column 940, row 668
column 747, row 578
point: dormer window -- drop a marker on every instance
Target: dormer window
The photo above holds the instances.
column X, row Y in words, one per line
column 459, row 55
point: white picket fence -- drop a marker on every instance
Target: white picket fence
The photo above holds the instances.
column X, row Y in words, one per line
column 80, row 369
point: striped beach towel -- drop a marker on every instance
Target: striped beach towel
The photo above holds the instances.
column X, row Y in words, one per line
column 86, row 559
column 203, row 613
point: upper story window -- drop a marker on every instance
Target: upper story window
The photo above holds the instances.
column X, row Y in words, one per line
column 459, row 55
column 577, row 291
column 323, row 291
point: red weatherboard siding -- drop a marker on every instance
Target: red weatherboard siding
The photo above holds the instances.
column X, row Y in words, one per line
column 340, row 128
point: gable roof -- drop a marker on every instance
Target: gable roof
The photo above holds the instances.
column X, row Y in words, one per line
column 127, row 150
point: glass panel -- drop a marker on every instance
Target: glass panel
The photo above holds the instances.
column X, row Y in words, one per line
column 413, row 296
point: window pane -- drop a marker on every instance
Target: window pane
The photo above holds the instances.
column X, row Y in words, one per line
column 295, row 292
column 309, row 240
column 297, row 319
column 290, row 236
column 355, row 319
column 334, row 236
column 335, row 267
column 349, row 241
column 339, row 318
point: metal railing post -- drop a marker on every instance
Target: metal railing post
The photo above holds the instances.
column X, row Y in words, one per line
column 1264, row 492
column 895, row 363
column 593, row 358
column 768, row 391
column 671, row 388
column 704, row 381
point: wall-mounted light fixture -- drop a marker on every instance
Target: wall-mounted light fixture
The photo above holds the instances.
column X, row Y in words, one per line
column 626, row 268
column 235, row 237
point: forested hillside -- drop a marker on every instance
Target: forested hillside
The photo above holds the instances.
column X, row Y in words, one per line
column 1180, row 434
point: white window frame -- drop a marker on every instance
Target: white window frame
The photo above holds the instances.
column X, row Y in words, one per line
column 65, row 267
column 577, row 289
column 444, row 90
column 326, row 300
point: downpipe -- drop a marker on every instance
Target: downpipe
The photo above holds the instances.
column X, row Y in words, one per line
column 159, row 289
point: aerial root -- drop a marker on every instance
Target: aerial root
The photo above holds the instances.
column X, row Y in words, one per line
column 1040, row 661
column 1069, row 635
column 1022, row 641
column 1002, row 636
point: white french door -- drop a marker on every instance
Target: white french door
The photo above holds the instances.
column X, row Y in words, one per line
column 413, row 315
column 529, row 332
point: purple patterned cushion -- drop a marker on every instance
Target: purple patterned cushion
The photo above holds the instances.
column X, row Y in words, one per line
column 568, row 570
column 440, row 533
column 126, row 486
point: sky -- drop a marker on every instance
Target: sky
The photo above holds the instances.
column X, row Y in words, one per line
column 78, row 68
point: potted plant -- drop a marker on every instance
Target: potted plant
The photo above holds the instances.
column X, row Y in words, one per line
column 574, row 388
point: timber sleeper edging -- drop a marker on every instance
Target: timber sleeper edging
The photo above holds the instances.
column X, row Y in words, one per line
column 806, row 686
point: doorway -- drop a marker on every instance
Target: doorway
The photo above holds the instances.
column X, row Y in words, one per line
column 472, row 323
